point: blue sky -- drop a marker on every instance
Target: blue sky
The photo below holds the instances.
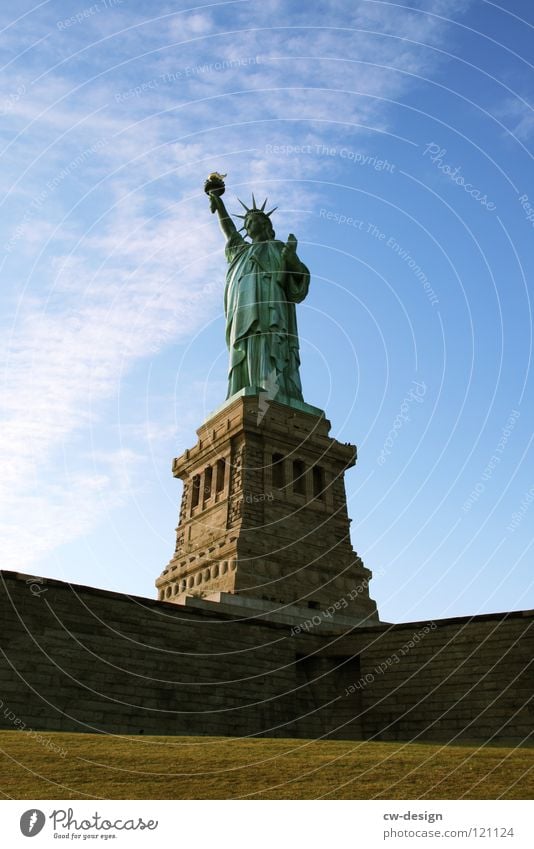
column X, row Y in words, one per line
column 396, row 140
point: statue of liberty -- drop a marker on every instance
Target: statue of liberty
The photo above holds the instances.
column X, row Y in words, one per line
column 264, row 281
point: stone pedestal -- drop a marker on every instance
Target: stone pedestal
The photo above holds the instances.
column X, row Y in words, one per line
column 264, row 513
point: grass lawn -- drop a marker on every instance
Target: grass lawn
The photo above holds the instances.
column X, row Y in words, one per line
column 106, row 767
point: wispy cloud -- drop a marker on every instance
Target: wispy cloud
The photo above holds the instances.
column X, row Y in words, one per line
column 518, row 115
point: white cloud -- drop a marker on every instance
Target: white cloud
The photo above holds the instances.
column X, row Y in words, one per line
column 519, row 116
column 190, row 25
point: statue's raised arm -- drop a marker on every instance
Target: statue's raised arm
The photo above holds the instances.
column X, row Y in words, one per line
column 264, row 281
column 217, row 205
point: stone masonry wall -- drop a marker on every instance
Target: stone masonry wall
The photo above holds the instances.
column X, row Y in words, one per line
column 470, row 678
column 79, row 658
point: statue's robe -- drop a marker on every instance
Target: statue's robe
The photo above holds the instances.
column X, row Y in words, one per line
column 261, row 321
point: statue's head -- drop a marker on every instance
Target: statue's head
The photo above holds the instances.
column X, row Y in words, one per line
column 259, row 227
column 257, row 222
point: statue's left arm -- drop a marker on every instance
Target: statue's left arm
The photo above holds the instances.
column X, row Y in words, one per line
column 296, row 274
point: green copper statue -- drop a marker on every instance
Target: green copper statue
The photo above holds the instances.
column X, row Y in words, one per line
column 264, row 281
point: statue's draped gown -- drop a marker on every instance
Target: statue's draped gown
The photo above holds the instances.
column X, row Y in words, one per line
column 261, row 321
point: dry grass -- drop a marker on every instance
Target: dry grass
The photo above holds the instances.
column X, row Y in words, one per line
column 106, row 767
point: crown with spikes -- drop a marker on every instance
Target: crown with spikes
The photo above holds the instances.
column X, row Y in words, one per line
column 254, row 209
